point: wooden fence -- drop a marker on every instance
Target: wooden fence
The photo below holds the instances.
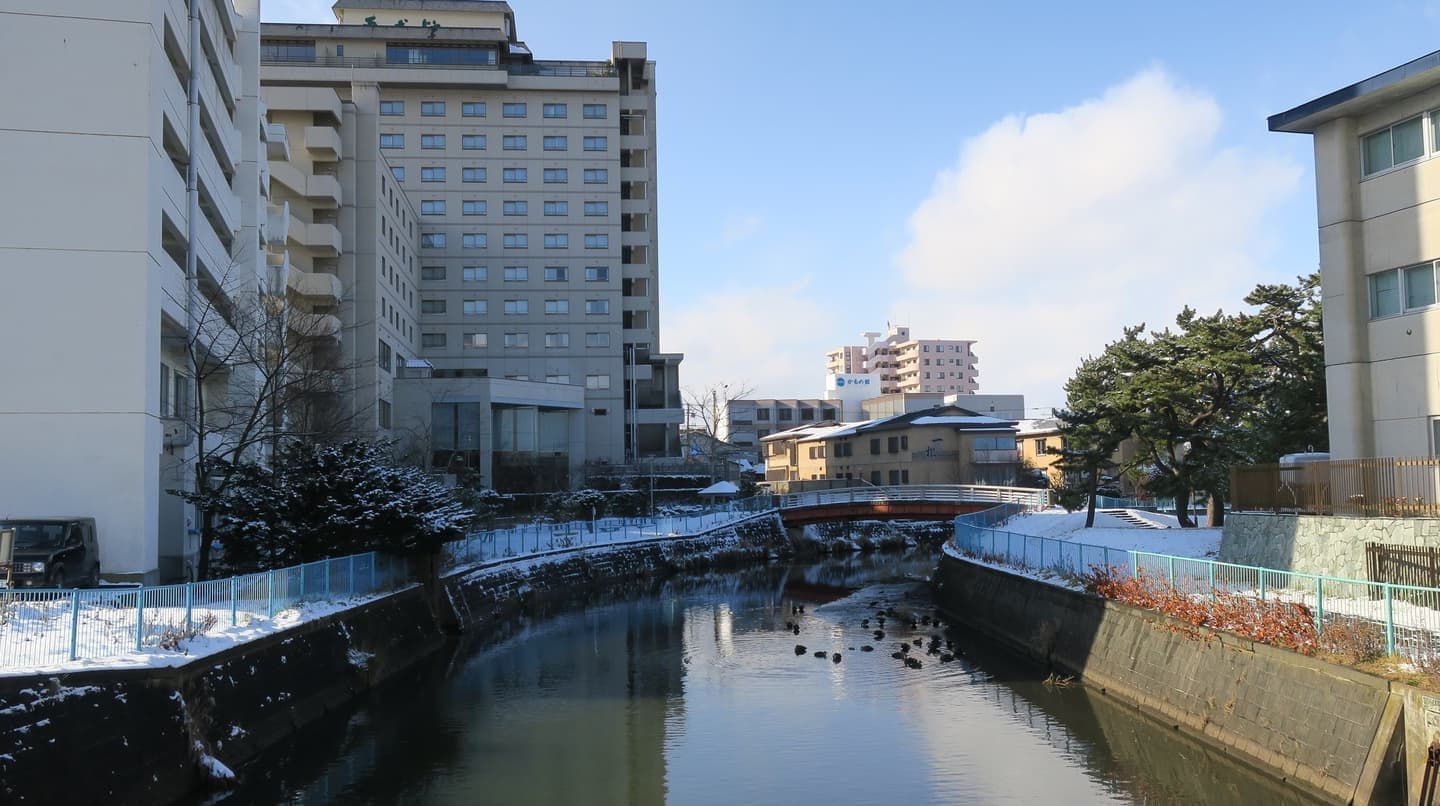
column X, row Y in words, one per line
column 1403, row 565
column 1392, row 488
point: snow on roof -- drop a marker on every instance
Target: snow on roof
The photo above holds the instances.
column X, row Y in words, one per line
column 720, row 488
column 1038, row 426
column 955, row 419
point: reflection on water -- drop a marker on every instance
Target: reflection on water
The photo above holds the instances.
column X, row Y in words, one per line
column 696, row 695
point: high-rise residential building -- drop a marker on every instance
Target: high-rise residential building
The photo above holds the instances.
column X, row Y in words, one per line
column 906, row 365
column 127, row 218
column 1377, row 145
column 503, row 228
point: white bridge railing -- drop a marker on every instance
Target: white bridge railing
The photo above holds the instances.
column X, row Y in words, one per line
column 946, row 493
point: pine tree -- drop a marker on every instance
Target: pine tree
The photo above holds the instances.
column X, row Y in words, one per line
column 1091, row 429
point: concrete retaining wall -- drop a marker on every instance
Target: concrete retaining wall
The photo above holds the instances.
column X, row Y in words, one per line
column 1325, row 728
column 1317, row 544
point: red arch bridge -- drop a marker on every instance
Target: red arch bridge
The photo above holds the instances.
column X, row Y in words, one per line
column 903, row 502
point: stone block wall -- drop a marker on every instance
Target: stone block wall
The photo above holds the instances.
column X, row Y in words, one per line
column 1317, row 544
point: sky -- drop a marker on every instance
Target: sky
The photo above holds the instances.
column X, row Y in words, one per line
column 1034, row 177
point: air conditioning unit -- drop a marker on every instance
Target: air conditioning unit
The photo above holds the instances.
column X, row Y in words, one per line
column 177, row 435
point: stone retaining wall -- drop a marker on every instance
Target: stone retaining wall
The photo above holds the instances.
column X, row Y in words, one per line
column 1317, row 544
column 1325, row 728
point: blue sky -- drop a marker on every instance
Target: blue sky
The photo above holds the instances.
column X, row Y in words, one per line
column 1031, row 176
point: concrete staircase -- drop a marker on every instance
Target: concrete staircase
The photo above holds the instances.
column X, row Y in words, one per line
column 1131, row 516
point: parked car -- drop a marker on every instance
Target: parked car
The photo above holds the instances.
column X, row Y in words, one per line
column 52, row 552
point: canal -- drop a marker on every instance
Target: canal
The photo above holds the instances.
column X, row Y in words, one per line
column 697, row 693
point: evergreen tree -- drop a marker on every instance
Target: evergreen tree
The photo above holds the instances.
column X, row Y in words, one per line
column 1091, row 429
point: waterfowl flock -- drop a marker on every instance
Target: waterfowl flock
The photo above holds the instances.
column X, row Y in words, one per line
column 933, row 644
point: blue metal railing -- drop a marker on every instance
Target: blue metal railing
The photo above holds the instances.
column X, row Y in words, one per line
column 42, row 627
column 535, row 538
column 1409, row 615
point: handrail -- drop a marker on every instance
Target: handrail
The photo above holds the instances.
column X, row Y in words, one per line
column 942, row 493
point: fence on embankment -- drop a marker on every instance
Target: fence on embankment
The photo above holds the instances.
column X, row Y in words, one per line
column 1408, row 615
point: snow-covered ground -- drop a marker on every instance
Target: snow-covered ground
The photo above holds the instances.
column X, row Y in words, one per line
column 1110, row 531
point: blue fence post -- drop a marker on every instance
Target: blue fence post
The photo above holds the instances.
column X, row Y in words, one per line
column 234, row 601
column 325, row 587
column 1319, row 604
column 189, row 603
column 1007, row 547
column 270, row 594
column 1211, row 568
column 1389, row 621
column 139, row 618
column 1260, row 572
column 374, row 558
column 1134, row 563
column 302, row 580
column 1170, row 571
column 350, row 583
column 74, row 623
column 1042, row 552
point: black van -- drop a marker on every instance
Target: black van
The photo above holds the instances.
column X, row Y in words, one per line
column 52, row 552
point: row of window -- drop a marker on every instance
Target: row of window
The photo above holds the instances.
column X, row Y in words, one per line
column 513, row 109
column 551, row 176
column 1402, row 290
column 512, row 240
column 512, row 340
column 509, row 142
column 1402, row 143
column 786, row 413
column 512, row 274
column 516, row 207
column 513, row 307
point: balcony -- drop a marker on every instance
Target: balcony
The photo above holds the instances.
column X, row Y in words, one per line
column 995, row 457
column 324, row 238
column 323, row 141
column 321, row 100
column 315, row 325
column 277, row 224
column 318, row 287
column 277, row 142
column 320, row 188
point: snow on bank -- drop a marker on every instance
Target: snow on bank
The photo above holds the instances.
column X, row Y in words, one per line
column 1111, row 531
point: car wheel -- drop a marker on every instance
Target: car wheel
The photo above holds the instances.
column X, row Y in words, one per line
column 93, row 581
column 57, row 577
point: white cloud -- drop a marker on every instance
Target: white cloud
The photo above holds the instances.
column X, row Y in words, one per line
column 738, row 228
column 771, row 339
column 1056, row 230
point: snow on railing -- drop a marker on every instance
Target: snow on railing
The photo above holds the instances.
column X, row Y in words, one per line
column 943, row 493
column 42, row 627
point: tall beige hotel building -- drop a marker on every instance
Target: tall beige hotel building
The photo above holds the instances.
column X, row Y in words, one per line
column 470, row 229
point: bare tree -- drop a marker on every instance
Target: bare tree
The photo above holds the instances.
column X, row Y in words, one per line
column 262, row 368
column 707, row 407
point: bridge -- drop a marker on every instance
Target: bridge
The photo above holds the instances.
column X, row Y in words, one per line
column 902, row 502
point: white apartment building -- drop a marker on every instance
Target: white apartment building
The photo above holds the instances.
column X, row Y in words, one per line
column 515, row 223
column 95, row 240
column 907, row 365
column 1377, row 176
column 748, row 421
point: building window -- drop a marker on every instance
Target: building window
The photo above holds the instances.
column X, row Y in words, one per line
column 432, row 207
column 474, row 341
column 517, row 339
column 432, row 306
column 432, row 240
column 557, row 240
column 517, row 307
column 597, row 274
column 473, row 240
column 392, row 141
column 597, row 208
column 594, row 111
column 472, row 174
column 516, row 240
column 432, row 173
column 474, row 274
column 439, row 54
column 472, row 109
column 398, row 172
column 875, row 446
column 432, row 340
column 475, row 307
column 383, row 410
column 597, row 306
column 514, row 142
column 557, row 176
column 557, row 306
column 516, row 274
column 472, row 142
column 516, row 175
column 555, row 142
column 557, row 208
column 1404, row 142
column 1435, row 437
column 556, row 340
column 784, row 413
column 432, row 109
column 597, row 176
column 1402, row 290
column 392, row 108
column 383, row 358
column 597, row 339
column 432, row 272
column 519, row 207
column 513, row 110
column 556, row 274
column 596, row 144
column 474, row 207
column 432, row 141
column 762, row 414
column 597, row 241
column 597, row 381
column 807, row 414
column 554, row 110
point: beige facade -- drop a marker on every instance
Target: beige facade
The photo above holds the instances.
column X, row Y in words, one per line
column 1034, row 440
column 1378, row 201
column 908, row 365
column 939, row 446
column 513, row 233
